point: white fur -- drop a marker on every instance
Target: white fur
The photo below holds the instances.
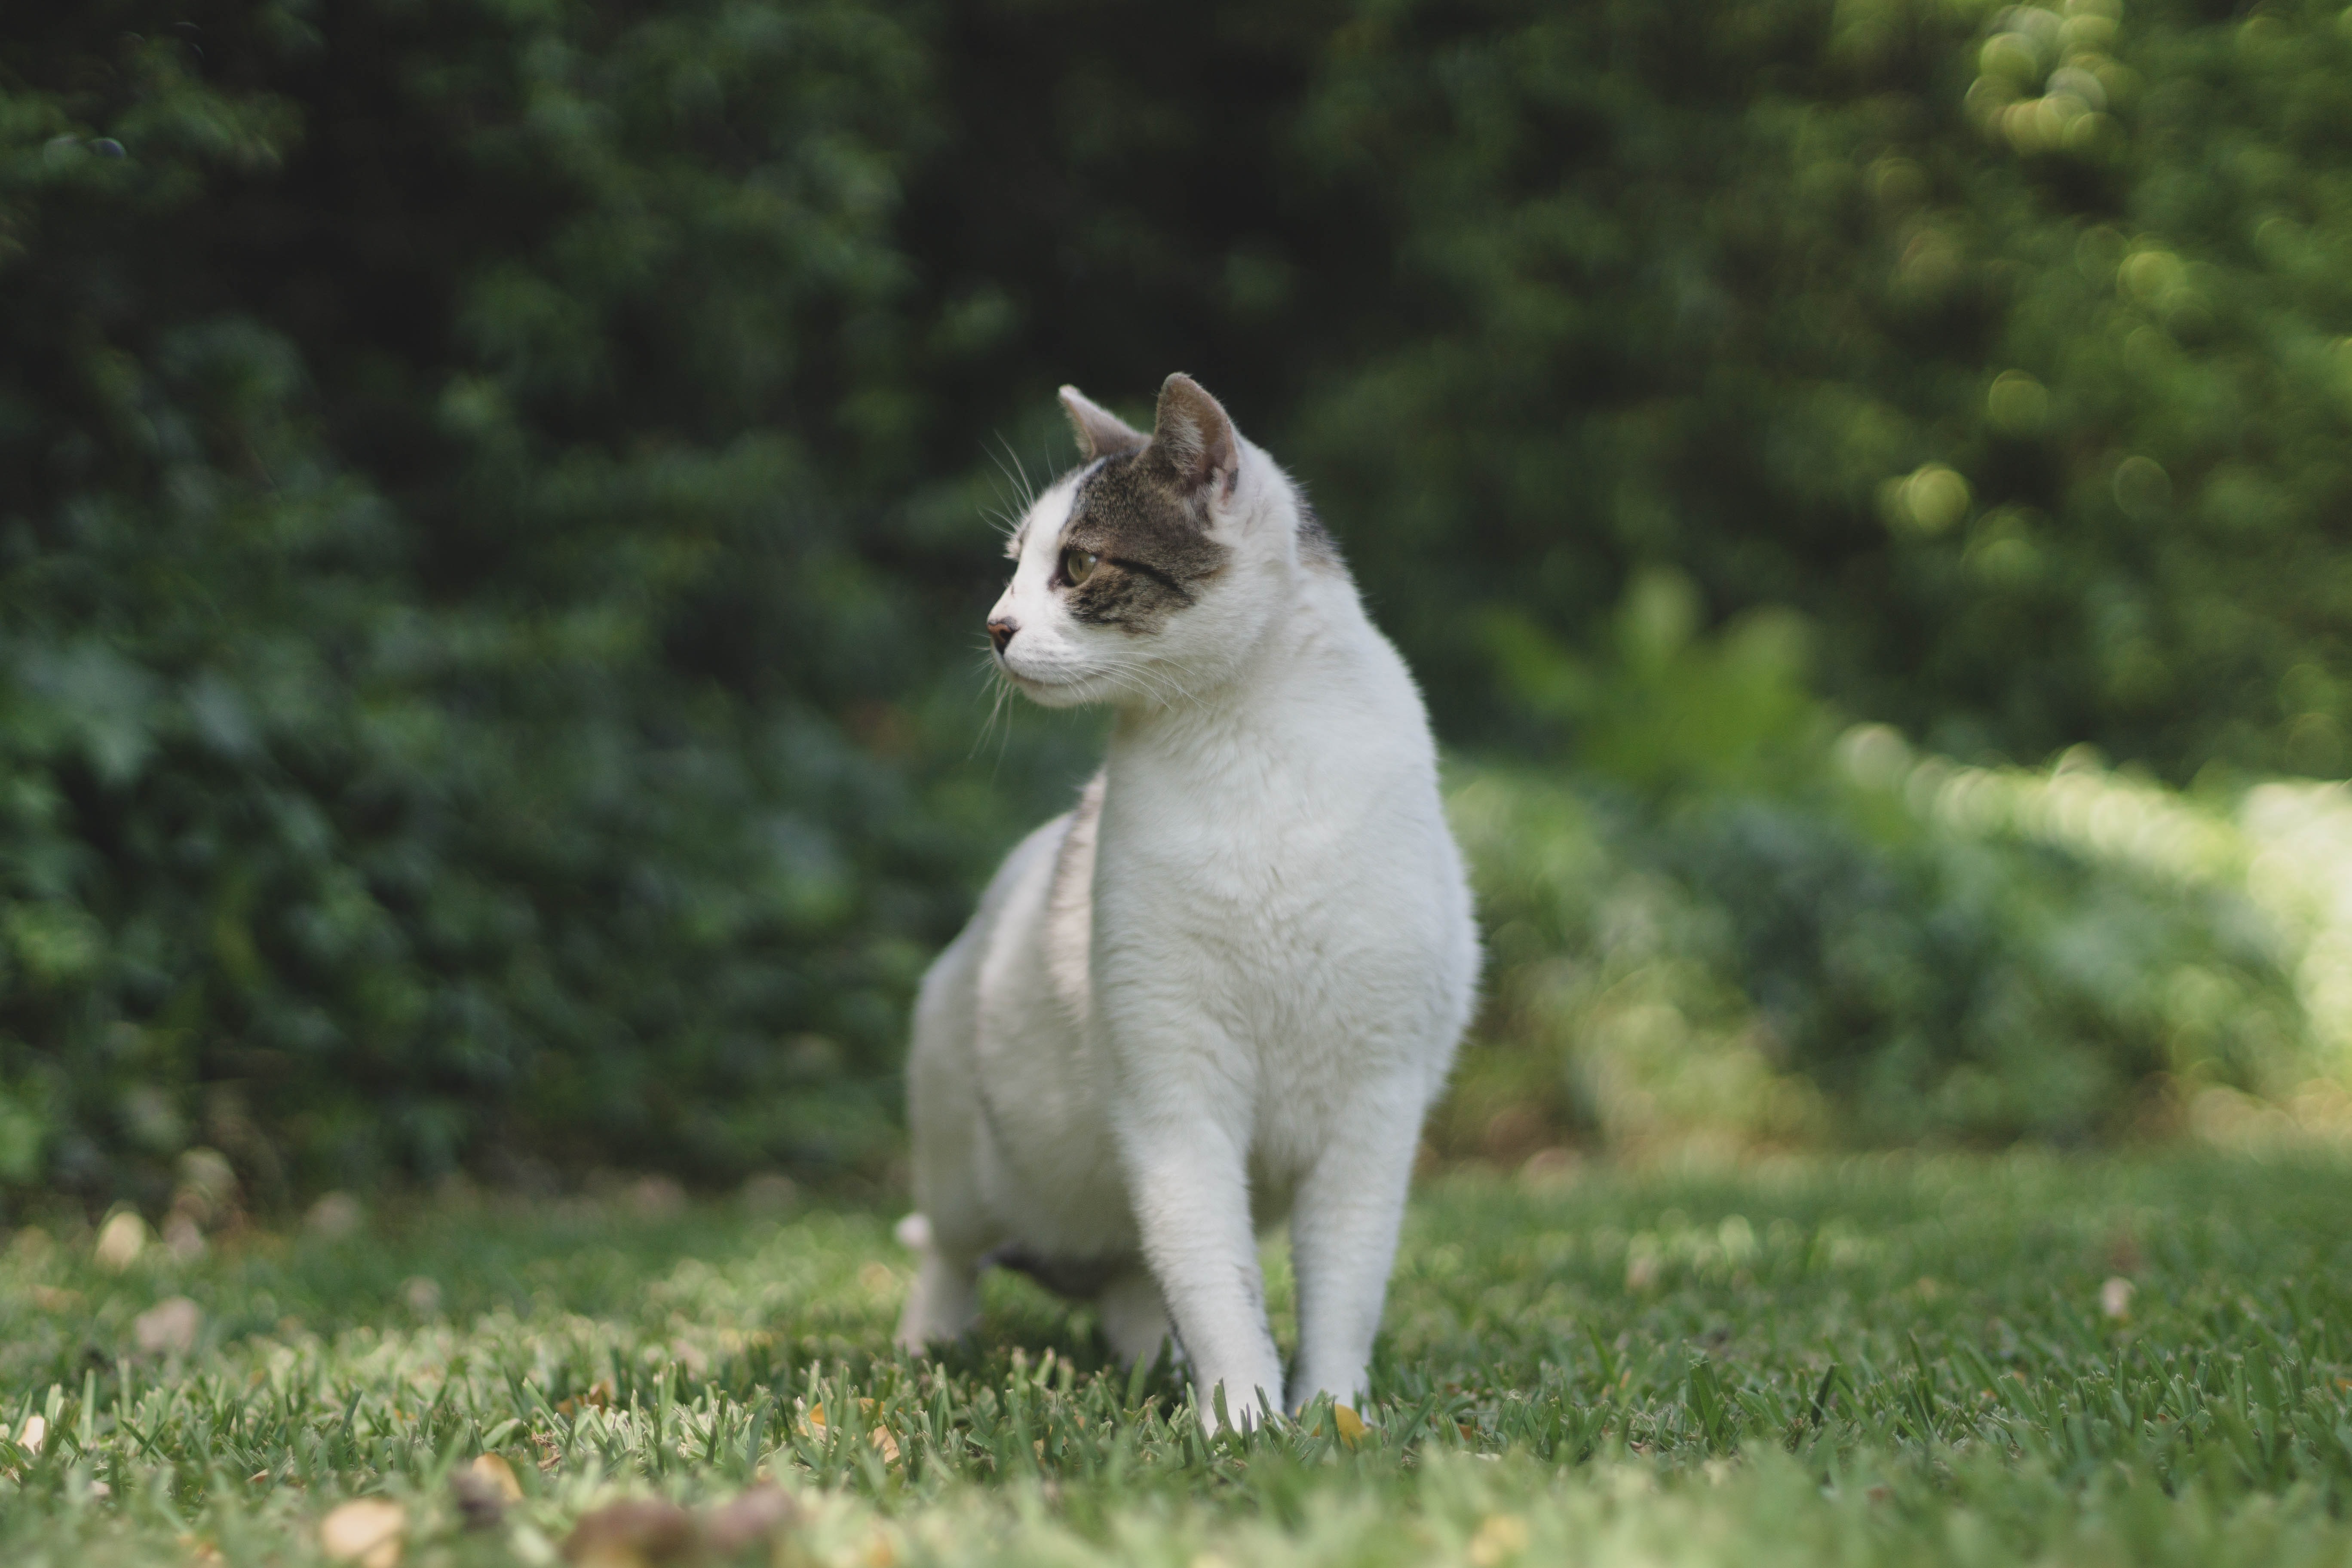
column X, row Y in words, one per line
column 1235, row 1003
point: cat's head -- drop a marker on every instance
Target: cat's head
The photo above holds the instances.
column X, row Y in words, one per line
column 1150, row 572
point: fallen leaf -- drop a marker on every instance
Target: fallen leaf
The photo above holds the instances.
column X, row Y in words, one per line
column 169, row 1326
column 36, row 1433
column 2115, row 1297
column 888, row 1445
column 121, row 1240
column 1500, row 1536
column 369, row 1531
column 764, row 1511
column 643, row 1532
column 494, row 1470
column 483, row 1490
column 1350, row 1424
column 599, row 1398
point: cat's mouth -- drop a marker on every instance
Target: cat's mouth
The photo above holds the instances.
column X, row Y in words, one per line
column 1060, row 690
column 1051, row 675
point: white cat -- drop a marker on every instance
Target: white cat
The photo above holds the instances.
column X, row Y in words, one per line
column 1227, row 986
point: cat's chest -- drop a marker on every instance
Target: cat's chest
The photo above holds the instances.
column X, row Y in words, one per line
column 1261, row 831
column 1300, row 855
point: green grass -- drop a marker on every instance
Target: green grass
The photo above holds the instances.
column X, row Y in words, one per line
column 1889, row 1361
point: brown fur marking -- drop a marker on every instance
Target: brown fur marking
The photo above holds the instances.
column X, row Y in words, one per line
column 1152, row 536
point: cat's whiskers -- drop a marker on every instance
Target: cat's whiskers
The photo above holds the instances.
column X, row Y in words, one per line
column 1016, row 474
column 1151, row 682
column 1155, row 687
column 999, row 701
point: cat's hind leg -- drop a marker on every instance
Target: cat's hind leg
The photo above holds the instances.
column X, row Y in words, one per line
column 1134, row 1318
column 949, row 1231
column 945, row 1301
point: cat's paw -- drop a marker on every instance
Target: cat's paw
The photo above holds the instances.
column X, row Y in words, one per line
column 1252, row 1410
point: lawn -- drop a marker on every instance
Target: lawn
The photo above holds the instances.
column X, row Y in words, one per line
column 1909, row 1359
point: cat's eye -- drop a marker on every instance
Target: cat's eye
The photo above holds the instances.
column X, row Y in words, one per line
column 1078, row 565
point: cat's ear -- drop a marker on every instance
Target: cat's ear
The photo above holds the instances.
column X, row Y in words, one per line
column 1101, row 433
column 1193, row 434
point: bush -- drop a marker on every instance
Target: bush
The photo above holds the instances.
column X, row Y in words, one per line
column 1848, row 942
column 487, row 513
column 452, row 716
column 2005, row 343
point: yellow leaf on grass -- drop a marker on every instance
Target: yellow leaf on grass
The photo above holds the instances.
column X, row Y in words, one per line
column 888, row 1445
column 368, row 1531
column 484, row 1489
column 762, row 1513
column 598, row 1397
column 1501, row 1538
column 121, row 1240
column 813, row 1423
column 1351, row 1425
column 494, row 1472
column 639, row 1533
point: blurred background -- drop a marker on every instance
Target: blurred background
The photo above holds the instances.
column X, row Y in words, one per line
column 494, row 529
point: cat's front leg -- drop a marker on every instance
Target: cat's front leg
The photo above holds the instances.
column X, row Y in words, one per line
column 1189, row 1179
column 1343, row 1239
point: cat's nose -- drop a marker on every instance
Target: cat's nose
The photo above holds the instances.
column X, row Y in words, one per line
column 1000, row 630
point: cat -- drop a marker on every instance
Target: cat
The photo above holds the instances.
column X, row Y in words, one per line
column 1228, row 985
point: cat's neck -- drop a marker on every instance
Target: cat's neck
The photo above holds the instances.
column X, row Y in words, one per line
column 1321, row 653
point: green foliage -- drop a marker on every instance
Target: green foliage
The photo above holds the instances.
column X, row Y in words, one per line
column 2007, row 345
column 1666, row 710
column 2028, row 388
column 488, row 507
column 1732, row 928
column 2079, row 1359
column 438, row 638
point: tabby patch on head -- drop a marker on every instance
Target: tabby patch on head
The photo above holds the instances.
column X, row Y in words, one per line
column 1150, row 545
